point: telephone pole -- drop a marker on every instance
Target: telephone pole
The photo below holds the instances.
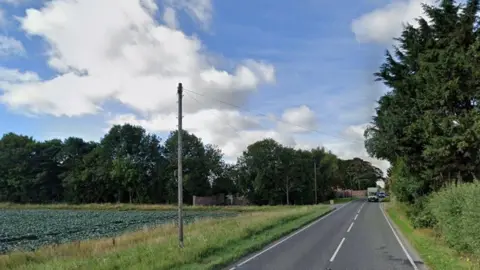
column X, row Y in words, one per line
column 315, row 175
column 180, row 165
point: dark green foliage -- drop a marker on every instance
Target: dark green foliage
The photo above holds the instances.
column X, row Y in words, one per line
column 429, row 121
column 129, row 165
column 30, row 229
column 420, row 213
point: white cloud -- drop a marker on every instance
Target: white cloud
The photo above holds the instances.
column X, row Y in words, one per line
column 200, row 10
column 354, row 146
column 10, row 47
column 16, row 76
column 170, row 17
column 349, row 144
column 228, row 129
column 383, row 24
column 120, row 53
column 298, row 120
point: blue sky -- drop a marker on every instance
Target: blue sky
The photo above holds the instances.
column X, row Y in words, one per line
column 317, row 58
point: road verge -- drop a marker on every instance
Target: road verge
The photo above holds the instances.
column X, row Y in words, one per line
column 436, row 255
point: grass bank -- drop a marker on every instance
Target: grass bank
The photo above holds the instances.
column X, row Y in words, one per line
column 339, row 200
column 209, row 244
column 433, row 250
column 343, row 200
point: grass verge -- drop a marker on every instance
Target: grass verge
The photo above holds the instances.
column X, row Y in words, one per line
column 209, row 244
column 435, row 253
column 343, row 200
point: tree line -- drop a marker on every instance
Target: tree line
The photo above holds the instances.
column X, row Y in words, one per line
column 129, row 165
column 428, row 125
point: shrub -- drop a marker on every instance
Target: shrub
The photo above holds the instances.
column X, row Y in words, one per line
column 405, row 187
column 457, row 211
column 420, row 214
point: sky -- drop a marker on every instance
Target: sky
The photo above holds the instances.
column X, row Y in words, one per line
column 300, row 72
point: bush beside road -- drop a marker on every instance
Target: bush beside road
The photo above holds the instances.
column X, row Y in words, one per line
column 431, row 247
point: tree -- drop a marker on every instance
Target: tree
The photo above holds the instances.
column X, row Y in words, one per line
column 427, row 126
column 129, row 165
column 200, row 164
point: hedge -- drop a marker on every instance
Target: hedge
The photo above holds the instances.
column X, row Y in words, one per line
column 456, row 210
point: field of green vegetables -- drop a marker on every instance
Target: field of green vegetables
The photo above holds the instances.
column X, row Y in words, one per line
column 30, row 229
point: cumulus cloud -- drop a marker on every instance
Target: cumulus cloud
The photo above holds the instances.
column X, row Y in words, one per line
column 10, row 47
column 121, row 53
column 385, row 23
column 10, row 76
column 347, row 145
column 298, row 120
column 200, row 10
column 231, row 130
column 170, row 17
column 354, row 146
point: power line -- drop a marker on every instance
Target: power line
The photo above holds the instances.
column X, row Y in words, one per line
column 268, row 117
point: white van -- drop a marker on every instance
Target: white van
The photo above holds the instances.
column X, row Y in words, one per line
column 372, row 194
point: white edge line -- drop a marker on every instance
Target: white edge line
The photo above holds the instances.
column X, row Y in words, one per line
column 349, row 228
column 288, row 237
column 356, row 216
column 338, row 249
column 398, row 239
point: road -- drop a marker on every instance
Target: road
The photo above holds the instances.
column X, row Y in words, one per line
column 355, row 236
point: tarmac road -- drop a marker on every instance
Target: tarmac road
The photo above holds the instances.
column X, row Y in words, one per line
column 355, row 236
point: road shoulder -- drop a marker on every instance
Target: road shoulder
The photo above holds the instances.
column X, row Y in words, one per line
column 409, row 248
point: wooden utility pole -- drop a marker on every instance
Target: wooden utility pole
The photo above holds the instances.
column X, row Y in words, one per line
column 315, row 179
column 180, row 167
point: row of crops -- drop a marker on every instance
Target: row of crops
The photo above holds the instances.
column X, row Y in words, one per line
column 30, row 229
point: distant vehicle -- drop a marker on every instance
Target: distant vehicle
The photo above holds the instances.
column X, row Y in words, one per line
column 381, row 195
column 372, row 194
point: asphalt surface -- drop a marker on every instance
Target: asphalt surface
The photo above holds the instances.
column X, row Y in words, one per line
column 355, row 236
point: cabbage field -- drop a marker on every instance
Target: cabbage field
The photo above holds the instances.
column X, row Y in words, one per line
column 30, row 229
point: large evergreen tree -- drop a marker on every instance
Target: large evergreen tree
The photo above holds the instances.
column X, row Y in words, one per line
column 427, row 126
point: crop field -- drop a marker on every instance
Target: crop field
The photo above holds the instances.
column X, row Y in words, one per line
column 31, row 229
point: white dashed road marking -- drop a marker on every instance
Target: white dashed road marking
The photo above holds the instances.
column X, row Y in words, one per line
column 288, row 237
column 336, row 251
column 349, row 228
column 360, row 209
